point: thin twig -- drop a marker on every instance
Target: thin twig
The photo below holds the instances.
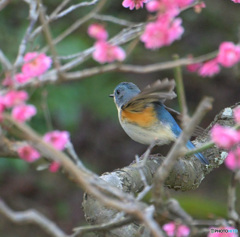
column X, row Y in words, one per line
column 70, row 150
column 49, row 19
column 74, row 7
column 22, row 48
column 45, row 109
column 3, row 3
column 146, row 187
column 77, row 75
column 5, row 62
column 31, row 216
column 132, row 68
column 180, row 91
column 232, row 213
column 148, row 219
column 200, row 149
column 58, row 9
column 48, row 36
column 219, row 222
column 102, row 227
column 113, row 19
column 76, row 25
column 177, row 211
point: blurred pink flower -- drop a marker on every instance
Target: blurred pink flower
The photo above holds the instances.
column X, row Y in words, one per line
column 105, row 52
column 193, row 67
column 176, row 230
column 229, row 54
column 2, row 107
column 58, row 139
column 7, row 81
column 97, row 31
column 19, row 78
column 153, row 6
column 198, row 8
column 209, row 68
column 233, row 159
column 183, row 3
column 36, row 64
column 236, row 114
column 223, row 234
column 22, row 78
column 166, row 6
column 224, row 137
column 23, row 112
column 28, row 153
column 13, row 98
column 2, row 104
column 236, row 1
column 175, row 30
column 162, row 32
column 133, row 4
column 54, row 166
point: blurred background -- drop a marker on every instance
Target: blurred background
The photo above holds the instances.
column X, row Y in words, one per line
column 85, row 110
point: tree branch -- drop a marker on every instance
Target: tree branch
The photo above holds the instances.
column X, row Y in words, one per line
column 186, row 174
column 31, row 216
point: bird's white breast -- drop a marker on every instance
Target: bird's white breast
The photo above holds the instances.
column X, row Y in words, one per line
column 159, row 133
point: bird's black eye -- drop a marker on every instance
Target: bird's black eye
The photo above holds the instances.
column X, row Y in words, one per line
column 118, row 92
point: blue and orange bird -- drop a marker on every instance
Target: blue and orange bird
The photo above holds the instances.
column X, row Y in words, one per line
column 145, row 118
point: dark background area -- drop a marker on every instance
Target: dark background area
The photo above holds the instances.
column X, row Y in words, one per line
column 85, row 110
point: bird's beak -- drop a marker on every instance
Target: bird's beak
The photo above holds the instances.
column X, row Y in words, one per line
column 111, row 95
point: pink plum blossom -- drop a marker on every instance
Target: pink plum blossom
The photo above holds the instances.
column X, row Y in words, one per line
column 198, row 8
column 162, row 32
column 236, row 1
column 19, row 78
column 58, row 139
column 224, row 137
column 22, row 78
column 172, row 229
column 229, row 54
column 36, row 64
column 167, row 6
column 193, row 67
column 97, row 31
column 236, row 114
column 133, row 4
column 105, row 52
column 183, row 3
column 54, row 166
column 13, row 98
column 153, row 6
column 7, row 81
column 28, row 153
column 23, row 112
column 223, row 233
column 2, row 104
column 2, row 107
column 176, row 30
column 209, row 68
column 233, row 159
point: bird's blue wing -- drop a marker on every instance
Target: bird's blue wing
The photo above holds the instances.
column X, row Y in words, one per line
column 199, row 155
column 165, row 117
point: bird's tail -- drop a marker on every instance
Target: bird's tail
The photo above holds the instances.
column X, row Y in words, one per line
column 200, row 156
